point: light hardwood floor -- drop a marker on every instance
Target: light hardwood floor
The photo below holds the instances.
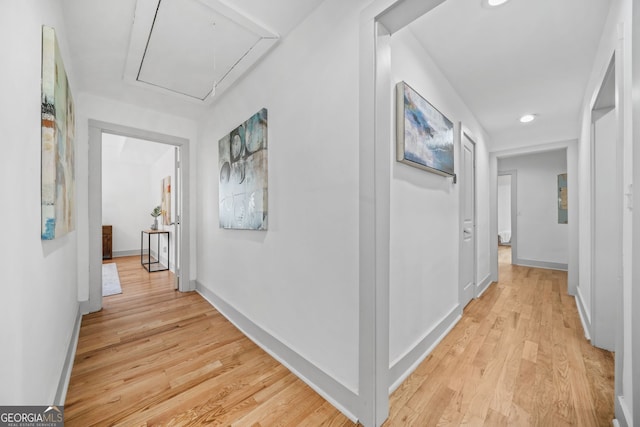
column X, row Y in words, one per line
column 518, row 357
column 154, row 356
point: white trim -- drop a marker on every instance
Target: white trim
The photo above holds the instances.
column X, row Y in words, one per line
column 65, row 375
column 404, row 365
column 585, row 319
column 622, row 413
column 325, row 385
column 483, row 285
column 119, row 254
column 541, row 264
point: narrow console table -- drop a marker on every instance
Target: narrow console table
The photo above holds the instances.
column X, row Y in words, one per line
column 150, row 264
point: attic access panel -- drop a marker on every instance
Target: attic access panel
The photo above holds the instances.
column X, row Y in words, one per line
column 188, row 48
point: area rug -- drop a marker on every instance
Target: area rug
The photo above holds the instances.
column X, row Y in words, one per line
column 110, row 280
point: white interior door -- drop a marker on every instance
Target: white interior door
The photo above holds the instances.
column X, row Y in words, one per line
column 468, row 223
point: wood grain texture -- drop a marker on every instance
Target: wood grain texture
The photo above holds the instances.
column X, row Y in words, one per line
column 518, row 357
column 154, row 356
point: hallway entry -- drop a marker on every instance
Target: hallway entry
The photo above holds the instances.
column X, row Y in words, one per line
column 180, row 219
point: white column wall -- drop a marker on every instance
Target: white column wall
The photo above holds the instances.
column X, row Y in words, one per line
column 616, row 38
column 425, row 231
column 298, row 281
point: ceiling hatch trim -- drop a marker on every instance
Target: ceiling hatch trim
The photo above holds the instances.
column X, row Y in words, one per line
column 192, row 49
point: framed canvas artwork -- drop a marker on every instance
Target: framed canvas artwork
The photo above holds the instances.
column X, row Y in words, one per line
column 242, row 163
column 58, row 148
column 563, row 212
column 165, row 205
column 424, row 136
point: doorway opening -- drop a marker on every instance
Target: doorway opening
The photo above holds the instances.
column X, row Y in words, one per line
column 507, row 216
column 606, row 211
column 175, row 254
column 139, row 208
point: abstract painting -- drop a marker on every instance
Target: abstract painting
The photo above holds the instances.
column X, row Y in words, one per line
column 242, row 162
column 58, row 148
column 424, row 135
column 165, row 206
column 563, row 213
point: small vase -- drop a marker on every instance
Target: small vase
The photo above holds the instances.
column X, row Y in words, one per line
column 154, row 226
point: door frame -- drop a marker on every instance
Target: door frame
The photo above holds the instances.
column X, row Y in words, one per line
column 96, row 129
column 465, row 133
column 514, row 212
column 604, row 103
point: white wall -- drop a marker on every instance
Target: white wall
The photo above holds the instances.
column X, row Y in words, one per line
column 504, row 204
column 425, row 216
column 298, row 281
column 126, row 195
column 540, row 240
column 38, row 306
column 616, row 38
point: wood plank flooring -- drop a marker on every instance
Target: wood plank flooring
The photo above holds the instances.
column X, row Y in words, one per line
column 518, row 357
column 154, row 356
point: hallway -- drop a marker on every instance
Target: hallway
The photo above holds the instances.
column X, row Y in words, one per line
column 154, row 356
column 518, row 357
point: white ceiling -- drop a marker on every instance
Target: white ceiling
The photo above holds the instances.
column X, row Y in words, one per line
column 522, row 57
column 178, row 69
column 132, row 150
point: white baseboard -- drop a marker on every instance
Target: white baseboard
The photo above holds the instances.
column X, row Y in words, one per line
column 344, row 399
column 118, row 254
column 583, row 314
column 65, row 375
column 541, row 264
column 623, row 416
column 483, row 285
column 406, row 364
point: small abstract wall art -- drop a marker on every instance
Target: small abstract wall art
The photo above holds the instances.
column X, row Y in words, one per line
column 242, row 163
column 58, row 148
column 424, row 136
column 563, row 213
column 165, row 206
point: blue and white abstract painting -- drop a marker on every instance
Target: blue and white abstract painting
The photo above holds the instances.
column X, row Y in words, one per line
column 242, row 162
column 58, row 146
column 425, row 136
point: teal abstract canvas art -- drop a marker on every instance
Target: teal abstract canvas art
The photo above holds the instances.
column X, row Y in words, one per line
column 58, row 148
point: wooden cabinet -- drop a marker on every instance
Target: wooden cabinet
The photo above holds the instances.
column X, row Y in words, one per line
column 106, row 242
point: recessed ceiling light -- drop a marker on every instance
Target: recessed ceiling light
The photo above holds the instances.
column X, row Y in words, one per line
column 527, row 118
column 494, row 3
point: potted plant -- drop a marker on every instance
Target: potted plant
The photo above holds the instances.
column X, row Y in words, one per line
column 155, row 213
